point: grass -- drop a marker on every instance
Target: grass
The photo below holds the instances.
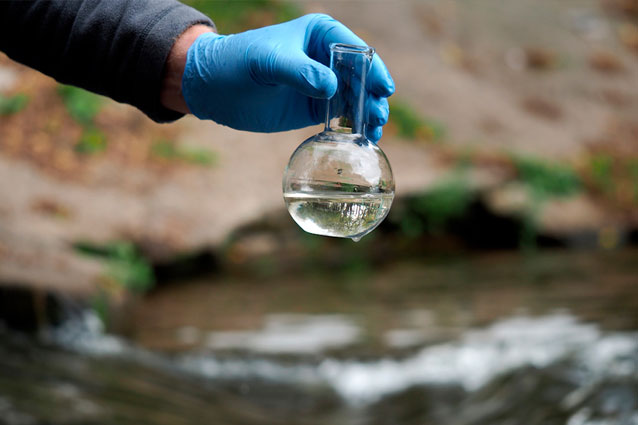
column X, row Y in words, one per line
column 91, row 142
column 547, row 179
column 125, row 265
column 231, row 16
column 168, row 150
column 601, row 167
column 82, row 105
column 447, row 200
column 10, row 105
column 435, row 208
column 614, row 177
column 411, row 125
column 633, row 172
column 100, row 305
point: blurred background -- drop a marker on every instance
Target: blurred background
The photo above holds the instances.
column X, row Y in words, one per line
column 150, row 273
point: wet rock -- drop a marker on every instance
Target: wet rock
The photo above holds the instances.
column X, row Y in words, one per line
column 527, row 395
column 436, row 404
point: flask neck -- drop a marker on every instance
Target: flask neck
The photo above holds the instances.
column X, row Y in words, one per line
column 345, row 112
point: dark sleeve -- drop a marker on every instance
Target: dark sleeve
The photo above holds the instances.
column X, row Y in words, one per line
column 113, row 47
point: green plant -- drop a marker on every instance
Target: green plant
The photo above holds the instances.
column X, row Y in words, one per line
column 198, row 156
column 92, row 141
column 529, row 227
column 125, row 265
column 82, row 105
column 412, row 225
column 633, row 173
column 544, row 180
column 233, row 16
column 100, row 305
column 411, row 125
column 601, row 167
column 10, row 105
column 348, row 187
column 166, row 149
column 547, row 179
column 447, row 200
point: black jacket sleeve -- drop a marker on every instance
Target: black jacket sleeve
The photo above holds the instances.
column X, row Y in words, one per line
column 113, row 47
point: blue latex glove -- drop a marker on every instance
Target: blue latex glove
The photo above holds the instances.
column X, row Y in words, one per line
column 276, row 78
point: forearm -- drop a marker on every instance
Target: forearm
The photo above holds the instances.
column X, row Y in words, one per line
column 171, row 92
column 117, row 48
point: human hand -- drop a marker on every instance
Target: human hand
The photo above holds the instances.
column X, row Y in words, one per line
column 276, row 78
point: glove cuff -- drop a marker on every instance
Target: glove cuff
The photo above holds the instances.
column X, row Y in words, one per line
column 197, row 74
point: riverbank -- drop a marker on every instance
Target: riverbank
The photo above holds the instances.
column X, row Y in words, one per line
column 501, row 136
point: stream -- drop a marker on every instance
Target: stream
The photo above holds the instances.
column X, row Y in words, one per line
column 500, row 338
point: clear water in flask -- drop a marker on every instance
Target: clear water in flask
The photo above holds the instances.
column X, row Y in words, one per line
column 338, row 214
column 338, row 183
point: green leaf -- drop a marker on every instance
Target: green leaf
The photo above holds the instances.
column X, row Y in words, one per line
column 100, row 305
column 164, row 149
column 82, row 105
column 91, row 142
column 547, row 178
column 13, row 104
column 232, row 16
column 134, row 274
column 601, row 168
column 411, row 125
column 633, row 173
column 125, row 265
column 446, row 200
column 198, row 156
column 168, row 150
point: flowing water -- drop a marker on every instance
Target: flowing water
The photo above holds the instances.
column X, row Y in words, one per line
column 493, row 339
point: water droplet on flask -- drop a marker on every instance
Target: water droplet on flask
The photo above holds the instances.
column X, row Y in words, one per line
column 357, row 239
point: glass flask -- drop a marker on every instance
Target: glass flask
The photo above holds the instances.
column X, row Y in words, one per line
column 338, row 183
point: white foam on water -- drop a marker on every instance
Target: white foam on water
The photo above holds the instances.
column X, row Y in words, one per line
column 290, row 334
column 477, row 358
column 473, row 361
column 85, row 334
column 401, row 338
column 584, row 417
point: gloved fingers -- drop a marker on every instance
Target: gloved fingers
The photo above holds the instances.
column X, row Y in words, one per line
column 327, row 30
column 377, row 113
column 379, row 80
column 374, row 133
column 296, row 70
column 378, row 110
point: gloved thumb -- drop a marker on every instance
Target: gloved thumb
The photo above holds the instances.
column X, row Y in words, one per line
column 302, row 73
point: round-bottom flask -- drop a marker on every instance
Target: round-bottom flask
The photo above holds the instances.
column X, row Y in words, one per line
column 338, row 183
